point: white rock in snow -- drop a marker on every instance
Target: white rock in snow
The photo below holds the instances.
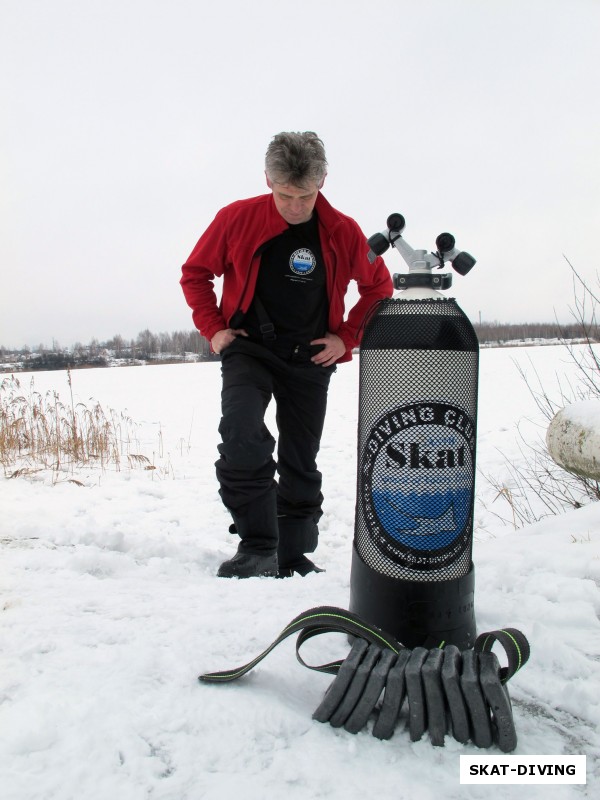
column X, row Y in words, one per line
column 573, row 438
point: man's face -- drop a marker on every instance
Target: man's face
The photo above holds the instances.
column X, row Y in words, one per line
column 295, row 204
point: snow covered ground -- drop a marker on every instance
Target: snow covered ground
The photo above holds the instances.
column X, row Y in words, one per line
column 110, row 609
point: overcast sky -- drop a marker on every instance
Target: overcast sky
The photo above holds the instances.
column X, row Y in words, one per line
column 126, row 124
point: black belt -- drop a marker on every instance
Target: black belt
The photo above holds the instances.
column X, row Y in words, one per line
column 464, row 691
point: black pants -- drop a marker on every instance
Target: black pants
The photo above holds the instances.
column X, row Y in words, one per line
column 263, row 508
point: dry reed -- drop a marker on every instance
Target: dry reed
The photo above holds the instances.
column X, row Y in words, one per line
column 41, row 432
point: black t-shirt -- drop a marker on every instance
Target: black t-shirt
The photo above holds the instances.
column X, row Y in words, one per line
column 291, row 286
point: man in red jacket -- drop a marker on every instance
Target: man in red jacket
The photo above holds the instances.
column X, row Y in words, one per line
column 286, row 259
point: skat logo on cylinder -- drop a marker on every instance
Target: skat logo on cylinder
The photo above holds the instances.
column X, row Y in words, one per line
column 417, row 484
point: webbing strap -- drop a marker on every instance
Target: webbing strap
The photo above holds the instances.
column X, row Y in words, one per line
column 315, row 621
column 515, row 645
column 330, row 619
column 266, row 327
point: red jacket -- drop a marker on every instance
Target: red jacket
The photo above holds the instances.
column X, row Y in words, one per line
column 229, row 247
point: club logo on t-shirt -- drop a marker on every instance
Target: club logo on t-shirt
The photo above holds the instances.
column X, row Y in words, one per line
column 302, row 261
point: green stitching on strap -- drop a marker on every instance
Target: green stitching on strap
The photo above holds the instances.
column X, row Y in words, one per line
column 516, row 644
column 372, row 631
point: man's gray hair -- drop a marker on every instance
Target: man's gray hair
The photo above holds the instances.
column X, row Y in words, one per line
column 297, row 159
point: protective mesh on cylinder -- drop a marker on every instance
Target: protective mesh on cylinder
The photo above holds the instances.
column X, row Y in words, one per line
column 416, row 450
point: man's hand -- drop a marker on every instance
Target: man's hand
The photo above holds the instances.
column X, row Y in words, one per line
column 334, row 349
column 222, row 339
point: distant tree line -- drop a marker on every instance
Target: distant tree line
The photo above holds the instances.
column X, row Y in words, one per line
column 149, row 345
column 178, row 346
column 147, row 348
column 499, row 333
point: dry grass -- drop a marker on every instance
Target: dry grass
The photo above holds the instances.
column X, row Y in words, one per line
column 539, row 487
column 42, row 432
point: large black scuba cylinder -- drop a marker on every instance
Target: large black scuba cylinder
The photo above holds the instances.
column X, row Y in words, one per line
column 412, row 571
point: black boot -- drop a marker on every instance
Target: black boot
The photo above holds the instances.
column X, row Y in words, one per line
column 249, row 565
column 298, row 566
column 297, row 536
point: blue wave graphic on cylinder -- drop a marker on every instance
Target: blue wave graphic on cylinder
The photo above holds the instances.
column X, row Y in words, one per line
column 423, row 521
